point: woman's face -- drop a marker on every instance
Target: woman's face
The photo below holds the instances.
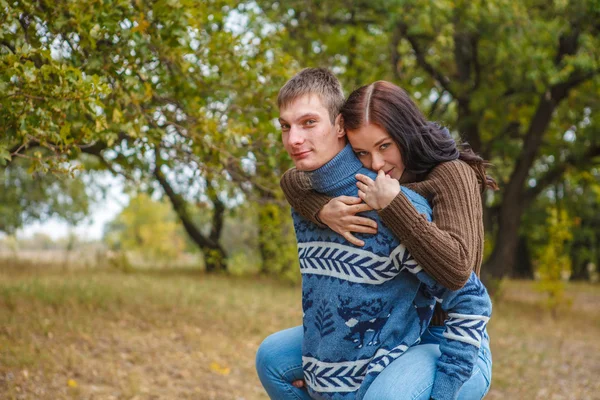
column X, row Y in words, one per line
column 375, row 148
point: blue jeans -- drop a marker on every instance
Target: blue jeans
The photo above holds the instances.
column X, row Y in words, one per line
column 409, row 377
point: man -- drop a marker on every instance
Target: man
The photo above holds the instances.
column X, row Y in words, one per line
column 363, row 307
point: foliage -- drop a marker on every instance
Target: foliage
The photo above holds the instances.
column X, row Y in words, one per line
column 518, row 81
column 146, row 226
column 178, row 96
column 553, row 262
column 26, row 197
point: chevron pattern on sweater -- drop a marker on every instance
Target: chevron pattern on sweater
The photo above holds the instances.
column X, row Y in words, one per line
column 466, row 328
column 352, row 264
column 338, row 377
column 384, row 357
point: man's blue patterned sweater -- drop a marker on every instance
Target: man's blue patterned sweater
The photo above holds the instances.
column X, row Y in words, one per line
column 365, row 306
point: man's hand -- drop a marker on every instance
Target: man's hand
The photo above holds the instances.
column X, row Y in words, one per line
column 377, row 193
column 340, row 215
column 298, row 383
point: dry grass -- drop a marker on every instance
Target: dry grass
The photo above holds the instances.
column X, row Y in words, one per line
column 99, row 334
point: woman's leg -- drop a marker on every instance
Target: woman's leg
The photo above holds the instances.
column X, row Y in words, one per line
column 279, row 363
column 410, row 377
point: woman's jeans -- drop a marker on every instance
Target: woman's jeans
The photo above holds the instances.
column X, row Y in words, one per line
column 409, row 377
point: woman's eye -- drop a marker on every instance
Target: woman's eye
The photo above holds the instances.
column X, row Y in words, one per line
column 360, row 153
column 285, row 127
column 385, row 146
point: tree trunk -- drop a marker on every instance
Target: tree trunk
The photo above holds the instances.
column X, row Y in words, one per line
column 523, row 266
column 215, row 256
column 502, row 259
column 215, row 259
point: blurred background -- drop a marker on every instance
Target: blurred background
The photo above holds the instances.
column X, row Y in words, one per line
column 145, row 246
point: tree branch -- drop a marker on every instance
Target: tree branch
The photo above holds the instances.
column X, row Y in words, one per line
column 180, row 208
column 558, row 170
column 443, row 80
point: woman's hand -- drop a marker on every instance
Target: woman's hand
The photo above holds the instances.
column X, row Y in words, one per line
column 377, row 193
column 340, row 215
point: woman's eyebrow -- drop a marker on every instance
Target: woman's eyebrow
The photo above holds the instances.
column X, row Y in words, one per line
column 380, row 141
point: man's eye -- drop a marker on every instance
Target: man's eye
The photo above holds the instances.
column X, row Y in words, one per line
column 310, row 122
column 285, row 127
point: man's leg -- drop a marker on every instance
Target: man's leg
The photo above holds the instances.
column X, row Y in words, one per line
column 279, row 363
column 410, row 377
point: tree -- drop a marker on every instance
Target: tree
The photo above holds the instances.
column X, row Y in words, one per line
column 148, row 227
column 168, row 94
column 26, row 197
column 476, row 67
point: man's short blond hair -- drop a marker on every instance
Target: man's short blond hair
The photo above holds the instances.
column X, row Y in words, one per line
column 319, row 81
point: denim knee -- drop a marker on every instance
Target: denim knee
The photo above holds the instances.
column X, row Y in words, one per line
column 266, row 355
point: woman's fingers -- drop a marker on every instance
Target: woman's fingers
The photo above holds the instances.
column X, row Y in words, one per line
column 298, row 383
column 349, row 200
column 360, row 208
column 352, row 239
column 361, row 186
column 364, row 179
column 364, row 222
column 362, row 229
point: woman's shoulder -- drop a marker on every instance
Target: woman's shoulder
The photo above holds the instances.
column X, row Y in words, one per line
column 454, row 168
column 454, row 174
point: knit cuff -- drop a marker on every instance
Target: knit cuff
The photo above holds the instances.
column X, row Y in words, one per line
column 445, row 387
column 302, row 198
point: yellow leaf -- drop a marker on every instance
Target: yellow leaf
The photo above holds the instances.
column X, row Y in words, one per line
column 72, row 383
column 221, row 370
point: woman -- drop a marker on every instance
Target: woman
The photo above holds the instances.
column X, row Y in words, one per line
column 390, row 134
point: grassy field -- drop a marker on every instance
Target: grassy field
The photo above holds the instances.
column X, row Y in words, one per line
column 102, row 334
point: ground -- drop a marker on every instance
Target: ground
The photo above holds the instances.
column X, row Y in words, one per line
column 180, row 334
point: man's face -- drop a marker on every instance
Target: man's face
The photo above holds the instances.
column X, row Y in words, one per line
column 307, row 133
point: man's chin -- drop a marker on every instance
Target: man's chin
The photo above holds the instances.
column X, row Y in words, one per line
column 306, row 165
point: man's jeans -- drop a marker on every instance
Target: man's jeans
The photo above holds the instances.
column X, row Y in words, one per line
column 409, row 377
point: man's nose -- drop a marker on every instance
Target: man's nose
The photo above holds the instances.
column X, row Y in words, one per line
column 377, row 163
column 295, row 137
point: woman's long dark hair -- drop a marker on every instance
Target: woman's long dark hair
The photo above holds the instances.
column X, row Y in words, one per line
column 423, row 144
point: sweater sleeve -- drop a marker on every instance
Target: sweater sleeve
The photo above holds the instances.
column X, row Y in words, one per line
column 449, row 247
column 469, row 310
column 298, row 191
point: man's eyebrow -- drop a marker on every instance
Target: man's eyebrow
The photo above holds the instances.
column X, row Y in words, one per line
column 303, row 116
column 309, row 114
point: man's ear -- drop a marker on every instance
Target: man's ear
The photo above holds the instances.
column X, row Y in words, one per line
column 339, row 126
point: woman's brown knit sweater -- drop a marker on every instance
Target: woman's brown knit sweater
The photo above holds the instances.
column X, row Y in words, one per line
column 448, row 248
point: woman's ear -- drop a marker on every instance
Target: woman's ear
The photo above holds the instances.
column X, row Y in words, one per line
column 339, row 126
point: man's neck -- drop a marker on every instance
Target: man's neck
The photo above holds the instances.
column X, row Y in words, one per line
column 342, row 166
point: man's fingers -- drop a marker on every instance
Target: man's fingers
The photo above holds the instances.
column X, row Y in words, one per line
column 349, row 237
column 349, row 200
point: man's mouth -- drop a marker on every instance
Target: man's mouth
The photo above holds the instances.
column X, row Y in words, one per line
column 301, row 154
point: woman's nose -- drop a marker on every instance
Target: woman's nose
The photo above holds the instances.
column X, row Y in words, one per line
column 378, row 162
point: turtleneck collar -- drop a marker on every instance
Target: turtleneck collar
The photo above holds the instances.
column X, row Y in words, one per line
column 342, row 166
